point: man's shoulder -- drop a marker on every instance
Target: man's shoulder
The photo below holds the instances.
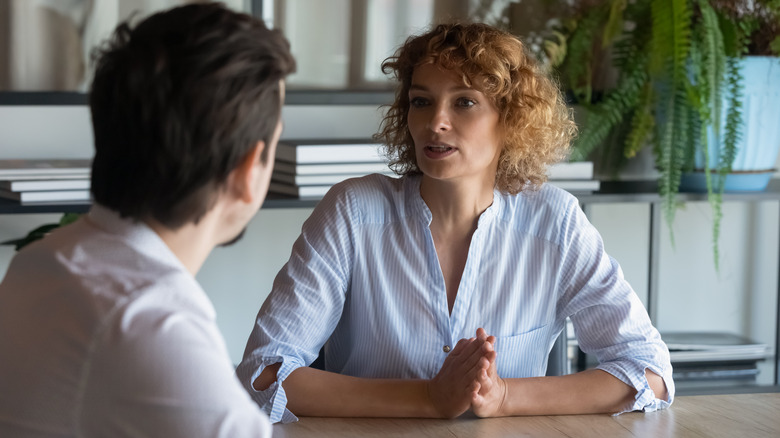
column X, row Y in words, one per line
column 163, row 346
column 98, row 271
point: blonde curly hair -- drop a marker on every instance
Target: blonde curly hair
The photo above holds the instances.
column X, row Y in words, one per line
column 538, row 125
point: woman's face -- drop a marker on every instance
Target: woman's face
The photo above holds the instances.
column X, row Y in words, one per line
column 455, row 128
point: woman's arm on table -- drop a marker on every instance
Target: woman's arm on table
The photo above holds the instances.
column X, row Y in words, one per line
column 312, row 392
column 587, row 392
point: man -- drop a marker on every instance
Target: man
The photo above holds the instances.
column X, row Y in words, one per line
column 104, row 330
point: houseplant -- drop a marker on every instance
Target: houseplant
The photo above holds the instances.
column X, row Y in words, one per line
column 41, row 231
column 674, row 62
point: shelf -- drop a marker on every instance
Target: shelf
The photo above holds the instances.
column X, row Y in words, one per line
column 734, row 389
column 647, row 192
column 610, row 192
column 8, row 206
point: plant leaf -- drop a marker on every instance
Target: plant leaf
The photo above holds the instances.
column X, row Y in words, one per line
column 32, row 236
column 614, row 26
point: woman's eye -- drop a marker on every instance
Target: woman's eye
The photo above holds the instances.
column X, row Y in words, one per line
column 466, row 102
column 417, row 102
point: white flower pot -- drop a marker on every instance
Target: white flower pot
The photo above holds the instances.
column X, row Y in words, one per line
column 759, row 144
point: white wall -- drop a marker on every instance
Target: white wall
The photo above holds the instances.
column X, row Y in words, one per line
column 741, row 298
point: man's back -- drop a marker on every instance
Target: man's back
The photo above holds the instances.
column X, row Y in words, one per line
column 117, row 338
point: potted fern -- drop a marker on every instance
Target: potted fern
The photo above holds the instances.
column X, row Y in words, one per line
column 678, row 82
column 41, row 231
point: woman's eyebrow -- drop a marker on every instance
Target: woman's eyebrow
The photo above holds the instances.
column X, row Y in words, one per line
column 424, row 88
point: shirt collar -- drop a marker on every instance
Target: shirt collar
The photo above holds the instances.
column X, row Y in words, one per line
column 135, row 233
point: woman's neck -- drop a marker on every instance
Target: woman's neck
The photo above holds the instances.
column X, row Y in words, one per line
column 455, row 204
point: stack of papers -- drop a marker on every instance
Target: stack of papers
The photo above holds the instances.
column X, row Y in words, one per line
column 307, row 169
column 712, row 347
column 45, row 181
column 573, row 176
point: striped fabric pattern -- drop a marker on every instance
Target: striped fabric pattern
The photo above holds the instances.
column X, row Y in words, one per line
column 364, row 281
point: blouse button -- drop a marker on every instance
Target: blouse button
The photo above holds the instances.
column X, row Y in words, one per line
column 446, row 348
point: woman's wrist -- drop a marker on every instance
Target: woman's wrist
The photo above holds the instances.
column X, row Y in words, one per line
column 430, row 408
column 501, row 411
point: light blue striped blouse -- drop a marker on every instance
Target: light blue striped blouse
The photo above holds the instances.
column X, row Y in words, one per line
column 364, row 277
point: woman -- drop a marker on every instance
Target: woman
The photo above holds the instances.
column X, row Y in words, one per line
column 443, row 290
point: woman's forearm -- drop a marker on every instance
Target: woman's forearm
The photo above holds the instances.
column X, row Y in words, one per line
column 312, row 392
column 587, row 392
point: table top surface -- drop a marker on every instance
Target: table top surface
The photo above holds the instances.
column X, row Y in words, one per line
column 735, row 415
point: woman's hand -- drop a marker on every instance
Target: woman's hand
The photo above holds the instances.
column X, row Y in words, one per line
column 457, row 383
column 489, row 400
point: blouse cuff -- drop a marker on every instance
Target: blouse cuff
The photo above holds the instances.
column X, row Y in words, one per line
column 633, row 374
column 273, row 400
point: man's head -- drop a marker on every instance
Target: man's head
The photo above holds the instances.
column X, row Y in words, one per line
column 177, row 103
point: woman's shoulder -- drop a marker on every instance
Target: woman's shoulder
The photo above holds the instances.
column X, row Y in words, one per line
column 546, row 198
column 545, row 211
column 376, row 197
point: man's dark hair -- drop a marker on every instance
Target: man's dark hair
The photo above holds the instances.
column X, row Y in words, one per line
column 176, row 103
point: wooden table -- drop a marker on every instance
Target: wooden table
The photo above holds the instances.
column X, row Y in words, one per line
column 737, row 415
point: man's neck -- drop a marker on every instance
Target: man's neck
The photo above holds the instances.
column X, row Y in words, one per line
column 191, row 243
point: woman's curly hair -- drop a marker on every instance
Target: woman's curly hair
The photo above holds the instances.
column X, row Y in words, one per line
column 537, row 124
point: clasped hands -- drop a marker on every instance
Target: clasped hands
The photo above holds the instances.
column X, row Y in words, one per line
column 468, row 380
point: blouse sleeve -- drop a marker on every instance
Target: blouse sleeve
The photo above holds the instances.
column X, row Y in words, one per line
column 609, row 320
column 305, row 303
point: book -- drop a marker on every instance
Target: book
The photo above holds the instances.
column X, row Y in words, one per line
column 571, row 170
column 24, row 185
column 43, row 176
column 712, row 346
column 576, row 185
column 330, row 168
column 299, row 191
column 310, row 180
column 330, row 151
column 319, row 190
column 47, row 196
column 715, row 371
column 19, row 167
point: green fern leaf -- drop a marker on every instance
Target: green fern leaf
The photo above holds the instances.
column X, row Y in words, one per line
column 577, row 67
column 733, row 118
column 642, row 123
column 605, row 116
column 713, row 65
column 614, row 26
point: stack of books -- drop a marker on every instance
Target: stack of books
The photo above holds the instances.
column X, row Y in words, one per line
column 307, row 169
column 714, row 357
column 573, row 176
column 45, row 181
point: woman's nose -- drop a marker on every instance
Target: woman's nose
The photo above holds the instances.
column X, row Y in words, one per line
column 440, row 120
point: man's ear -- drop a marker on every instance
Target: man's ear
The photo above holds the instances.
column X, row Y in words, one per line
column 245, row 176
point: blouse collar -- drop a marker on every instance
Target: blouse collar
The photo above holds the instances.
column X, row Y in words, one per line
column 420, row 208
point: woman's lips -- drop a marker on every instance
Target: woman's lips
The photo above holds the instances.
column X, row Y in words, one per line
column 440, row 150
